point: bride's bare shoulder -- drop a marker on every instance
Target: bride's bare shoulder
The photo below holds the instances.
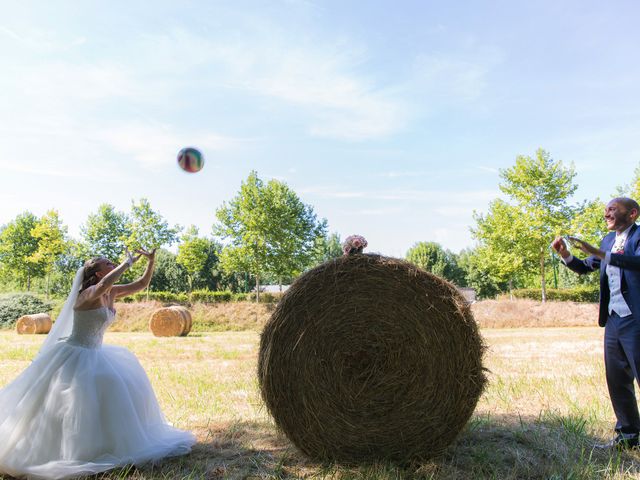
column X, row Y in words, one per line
column 87, row 299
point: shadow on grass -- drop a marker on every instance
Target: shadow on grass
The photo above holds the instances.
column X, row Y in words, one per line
column 549, row 446
column 491, row 447
column 495, row 447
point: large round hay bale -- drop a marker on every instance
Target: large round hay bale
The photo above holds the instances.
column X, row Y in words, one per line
column 32, row 324
column 174, row 321
column 368, row 358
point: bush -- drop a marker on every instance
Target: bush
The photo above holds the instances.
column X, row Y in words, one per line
column 267, row 297
column 164, row 297
column 13, row 306
column 586, row 293
column 207, row 296
column 201, row 296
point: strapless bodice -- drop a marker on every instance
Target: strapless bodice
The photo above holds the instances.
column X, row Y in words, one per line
column 89, row 326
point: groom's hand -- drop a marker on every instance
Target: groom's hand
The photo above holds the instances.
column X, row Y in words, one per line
column 560, row 246
column 587, row 247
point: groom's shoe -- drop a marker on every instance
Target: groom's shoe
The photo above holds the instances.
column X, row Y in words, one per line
column 622, row 441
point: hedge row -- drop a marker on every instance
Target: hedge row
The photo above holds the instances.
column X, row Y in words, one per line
column 201, row 296
column 13, row 306
column 589, row 294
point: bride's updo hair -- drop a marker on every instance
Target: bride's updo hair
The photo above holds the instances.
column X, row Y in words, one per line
column 91, row 267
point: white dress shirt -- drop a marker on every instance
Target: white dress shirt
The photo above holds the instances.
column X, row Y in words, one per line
column 617, row 303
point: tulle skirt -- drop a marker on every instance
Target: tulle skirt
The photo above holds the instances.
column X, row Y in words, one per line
column 80, row 411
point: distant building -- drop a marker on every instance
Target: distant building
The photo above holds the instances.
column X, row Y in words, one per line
column 468, row 293
column 271, row 288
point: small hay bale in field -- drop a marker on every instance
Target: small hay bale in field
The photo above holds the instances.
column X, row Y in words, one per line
column 33, row 324
column 368, row 358
column 174, row 321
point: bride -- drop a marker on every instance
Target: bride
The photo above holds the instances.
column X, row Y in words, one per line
column 81, row 408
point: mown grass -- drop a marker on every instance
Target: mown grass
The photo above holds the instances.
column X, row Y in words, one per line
column 545, row 407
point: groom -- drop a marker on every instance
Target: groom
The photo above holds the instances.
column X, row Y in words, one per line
column 618, row 259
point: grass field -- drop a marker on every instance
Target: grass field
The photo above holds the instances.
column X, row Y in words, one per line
column 546, row 405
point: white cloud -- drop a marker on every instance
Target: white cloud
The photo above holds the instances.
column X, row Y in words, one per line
column 41, row 40
column 320, row 80
column 379, row 211
column 455, row 210
column 400, row 174
column 340, row 103
column 453, row 77
column 484, row 168
column 469, row 197
column 460, row 78
column 327, row 84
column 328, row 81
column 38, row 170
column 443, row 235
column 69, row 88
column 10, row 33
column 590, row 148
column 445, row 196
column 151, row 145
column 330, row 192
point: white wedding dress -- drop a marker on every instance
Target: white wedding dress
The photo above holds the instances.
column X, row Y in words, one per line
column 82, row 408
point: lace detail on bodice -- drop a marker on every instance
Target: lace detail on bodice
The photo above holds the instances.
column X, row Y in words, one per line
column 89, row 326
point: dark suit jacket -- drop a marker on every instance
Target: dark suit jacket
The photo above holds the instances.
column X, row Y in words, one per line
column 629, row 263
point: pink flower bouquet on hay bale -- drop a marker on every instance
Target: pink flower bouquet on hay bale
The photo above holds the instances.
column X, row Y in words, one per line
column 354, row 244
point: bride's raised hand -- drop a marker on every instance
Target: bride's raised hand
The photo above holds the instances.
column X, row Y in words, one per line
column 130, row 259
column 149, row 255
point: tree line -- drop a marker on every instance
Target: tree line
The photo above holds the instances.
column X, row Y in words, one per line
column 266, row 234
column 513, row 238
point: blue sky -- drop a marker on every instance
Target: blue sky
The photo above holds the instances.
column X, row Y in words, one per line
column 392, row 119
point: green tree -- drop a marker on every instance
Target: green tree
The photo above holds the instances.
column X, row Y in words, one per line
column 497, row 233
column 327, row 247
column 477, row 275
column 269, row 229
column 193, row 253
column 66, row 267
column 588, row 221
column 168, row 275
column 430, row 256
column 147, row 229
column 51, row 235
column 632, row 189
column 17, row 247
column 538, row 189
column 293, row 231
column 212, row 276
column 105, row 232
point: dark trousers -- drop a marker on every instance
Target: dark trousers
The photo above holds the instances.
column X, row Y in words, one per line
column 622, row 363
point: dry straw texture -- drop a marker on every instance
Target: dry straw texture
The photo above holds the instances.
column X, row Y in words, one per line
column 368, row 358
column 174, row 321
column 32, row 324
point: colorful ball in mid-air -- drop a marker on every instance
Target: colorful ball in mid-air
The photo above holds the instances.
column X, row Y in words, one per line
column 190, row 159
